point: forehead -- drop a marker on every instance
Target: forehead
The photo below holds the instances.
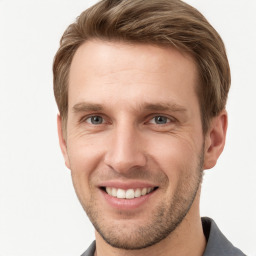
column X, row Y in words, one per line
column 114, row 71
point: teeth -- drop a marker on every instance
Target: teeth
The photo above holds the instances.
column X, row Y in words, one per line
column 144, row 191
column 120, row 193
column 149, row 190
column 137, row 192
column 109, row 190
column 114, row 192
column 128, row 194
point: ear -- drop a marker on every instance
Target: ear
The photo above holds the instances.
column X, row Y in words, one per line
column 62, row 142
column 215, row 139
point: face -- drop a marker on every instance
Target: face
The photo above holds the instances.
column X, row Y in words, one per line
column 134, row 140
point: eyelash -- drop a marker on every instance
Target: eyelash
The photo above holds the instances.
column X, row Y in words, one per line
column 165, row 118
column 169, row 120
column 86, row 118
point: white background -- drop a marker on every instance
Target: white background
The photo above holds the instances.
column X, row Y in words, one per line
column 39, row 212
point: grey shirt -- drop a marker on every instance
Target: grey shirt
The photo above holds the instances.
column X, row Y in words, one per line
column 217, row 243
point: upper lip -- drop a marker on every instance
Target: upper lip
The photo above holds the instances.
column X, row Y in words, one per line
column 127, row 185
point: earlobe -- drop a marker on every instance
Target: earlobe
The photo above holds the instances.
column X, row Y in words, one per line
column 62, row 141
column 215, row 139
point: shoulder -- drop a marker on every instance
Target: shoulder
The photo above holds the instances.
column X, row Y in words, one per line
column 91, row 249
column 217, row 243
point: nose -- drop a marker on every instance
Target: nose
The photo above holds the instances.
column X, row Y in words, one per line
column 125, row 150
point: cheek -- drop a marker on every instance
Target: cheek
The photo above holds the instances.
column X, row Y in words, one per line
column 175, row 156
column 84, row 157
column 84, row 154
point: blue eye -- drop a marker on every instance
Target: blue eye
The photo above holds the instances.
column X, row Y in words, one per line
column 95, row 120
column 160, row 120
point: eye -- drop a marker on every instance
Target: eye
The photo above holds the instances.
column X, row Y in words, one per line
column 95, row 120
column 160, row 120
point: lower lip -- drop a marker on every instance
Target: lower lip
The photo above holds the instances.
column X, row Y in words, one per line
column 127, row 204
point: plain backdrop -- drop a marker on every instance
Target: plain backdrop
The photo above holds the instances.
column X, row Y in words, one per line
column 39, row 212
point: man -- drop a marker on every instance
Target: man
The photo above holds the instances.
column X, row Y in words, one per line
column 141, row 87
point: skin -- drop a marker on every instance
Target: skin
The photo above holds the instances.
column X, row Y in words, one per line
column 126, row 87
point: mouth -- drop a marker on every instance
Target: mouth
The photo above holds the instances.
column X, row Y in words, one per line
column 128, row 193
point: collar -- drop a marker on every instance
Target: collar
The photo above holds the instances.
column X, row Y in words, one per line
column 217, row 243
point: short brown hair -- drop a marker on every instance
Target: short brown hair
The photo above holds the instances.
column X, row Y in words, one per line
column 161, row 22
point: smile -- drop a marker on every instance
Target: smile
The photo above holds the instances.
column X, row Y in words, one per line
column 129, row 193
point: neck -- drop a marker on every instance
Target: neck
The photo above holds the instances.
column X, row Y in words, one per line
column 186, row 240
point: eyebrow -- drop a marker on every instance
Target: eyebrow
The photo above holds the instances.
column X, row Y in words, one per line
column 85, row 106
column 164, row 107
column 172, row 107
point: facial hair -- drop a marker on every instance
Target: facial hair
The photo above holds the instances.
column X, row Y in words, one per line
column 165, row 217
